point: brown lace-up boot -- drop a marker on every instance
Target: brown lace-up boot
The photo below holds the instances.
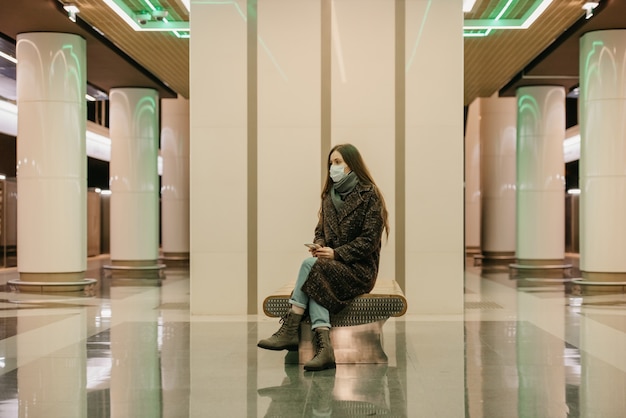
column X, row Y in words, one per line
column 324, row 354
column 287, row 336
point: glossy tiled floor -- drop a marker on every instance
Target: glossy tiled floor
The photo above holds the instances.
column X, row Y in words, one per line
column 524, row 348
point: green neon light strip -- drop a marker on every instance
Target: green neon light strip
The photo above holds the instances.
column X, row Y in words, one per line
column 529, row 17
column 479, row 33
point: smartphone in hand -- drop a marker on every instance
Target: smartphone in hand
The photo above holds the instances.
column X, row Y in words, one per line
column 312, row 246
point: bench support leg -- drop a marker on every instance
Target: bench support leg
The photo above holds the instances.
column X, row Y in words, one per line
column 356, row 344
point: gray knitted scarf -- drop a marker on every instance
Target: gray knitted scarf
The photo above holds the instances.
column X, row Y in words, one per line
column 342, row 188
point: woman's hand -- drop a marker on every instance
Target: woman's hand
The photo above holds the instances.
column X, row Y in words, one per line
column 324, row 252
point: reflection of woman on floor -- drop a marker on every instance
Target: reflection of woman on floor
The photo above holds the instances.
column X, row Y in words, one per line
column 345, row 257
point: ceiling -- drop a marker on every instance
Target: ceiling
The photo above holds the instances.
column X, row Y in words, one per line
column 545, row 53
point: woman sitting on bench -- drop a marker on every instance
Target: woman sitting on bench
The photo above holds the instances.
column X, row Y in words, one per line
column 345, row 255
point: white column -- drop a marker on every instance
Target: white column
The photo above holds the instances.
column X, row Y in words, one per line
column 134, row 182
column 175, row 179
column 497, row 177
column 434, row 156
column 218, row 158
column 540, row 175
column 363, row 110
column 602, row 162
column 51, row 157
column 472, row 178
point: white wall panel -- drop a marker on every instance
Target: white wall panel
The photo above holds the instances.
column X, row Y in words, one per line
column 434, row 156
column 289, row 72
column 218, row 163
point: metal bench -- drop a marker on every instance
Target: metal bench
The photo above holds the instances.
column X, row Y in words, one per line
column 356, row 334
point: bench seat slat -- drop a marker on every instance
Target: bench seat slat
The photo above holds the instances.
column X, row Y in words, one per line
column 384, row 301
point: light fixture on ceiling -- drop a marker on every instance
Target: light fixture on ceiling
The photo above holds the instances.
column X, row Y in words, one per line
column 589, row 7
column 159, row 14
column 143, row 17
column 72, row 10
column 153, row 18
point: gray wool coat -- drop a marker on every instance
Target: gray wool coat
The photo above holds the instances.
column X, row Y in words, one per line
column 355, row 233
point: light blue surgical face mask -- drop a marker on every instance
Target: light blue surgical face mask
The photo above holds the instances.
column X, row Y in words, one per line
column 337, row 172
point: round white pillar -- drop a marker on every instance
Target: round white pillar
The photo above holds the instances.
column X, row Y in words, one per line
column 497, row 178
column 175, row 179
column 472, row 179
column 602, row 163
column 134, row 210
column 51, row 158
column 540, row 176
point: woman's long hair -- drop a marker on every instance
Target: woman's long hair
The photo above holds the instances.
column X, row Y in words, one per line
column 352, row 157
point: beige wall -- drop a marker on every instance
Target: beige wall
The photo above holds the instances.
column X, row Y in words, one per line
column 258, row 113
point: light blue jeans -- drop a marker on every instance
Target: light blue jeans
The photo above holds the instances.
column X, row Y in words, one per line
column 320, row 317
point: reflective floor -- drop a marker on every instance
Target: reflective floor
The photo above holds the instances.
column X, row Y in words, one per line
column 524, row 348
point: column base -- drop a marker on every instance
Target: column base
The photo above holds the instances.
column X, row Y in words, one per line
column 70, row 284
column 599, row 283
column 172, row 259
column 135, row 269
column 489, row 258
column 540, row 269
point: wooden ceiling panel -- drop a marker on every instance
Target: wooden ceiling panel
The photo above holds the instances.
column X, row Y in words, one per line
column 492, row 61
column 161, row 53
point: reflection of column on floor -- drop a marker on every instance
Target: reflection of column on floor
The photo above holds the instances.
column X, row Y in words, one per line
column 602, row 365
column 473, row 369
column 491, row 385
column 497, row 178
column 540, row 355
column 135, row 387
column 51, row 377
column 175, row 364
column 221, row 362
column 436, row 375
